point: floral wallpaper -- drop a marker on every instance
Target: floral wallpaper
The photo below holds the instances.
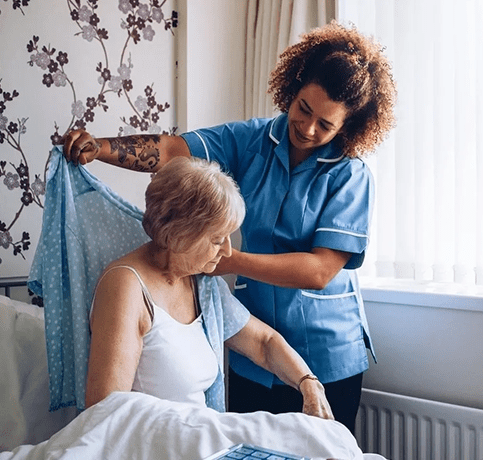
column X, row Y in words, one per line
column 107, row 66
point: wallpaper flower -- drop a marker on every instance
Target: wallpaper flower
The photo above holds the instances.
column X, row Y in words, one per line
column 22, row 177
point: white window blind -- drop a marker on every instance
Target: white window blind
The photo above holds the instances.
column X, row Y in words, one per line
column 428, row 221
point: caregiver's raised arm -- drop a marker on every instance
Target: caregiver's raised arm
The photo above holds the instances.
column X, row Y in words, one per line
column 146, row 153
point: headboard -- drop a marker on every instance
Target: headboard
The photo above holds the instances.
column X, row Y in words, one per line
column 16, row 288
column 7, row 283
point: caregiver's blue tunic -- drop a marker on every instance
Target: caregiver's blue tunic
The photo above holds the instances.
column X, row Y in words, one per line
column 326, row 201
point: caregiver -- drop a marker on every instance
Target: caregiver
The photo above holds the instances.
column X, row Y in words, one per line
column 309, row 199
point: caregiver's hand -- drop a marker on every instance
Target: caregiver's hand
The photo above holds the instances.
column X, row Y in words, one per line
column 80, row 147
column 226, row 265
column 315, row 401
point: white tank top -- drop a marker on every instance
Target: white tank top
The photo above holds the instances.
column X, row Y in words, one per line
column 177, row 362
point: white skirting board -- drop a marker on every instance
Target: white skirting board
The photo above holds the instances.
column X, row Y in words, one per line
column 406, row 428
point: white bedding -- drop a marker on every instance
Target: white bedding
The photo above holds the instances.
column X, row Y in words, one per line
column 138, row 426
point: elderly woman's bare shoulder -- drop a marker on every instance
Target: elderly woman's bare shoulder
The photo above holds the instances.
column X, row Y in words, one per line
column 127, row 267
column 119, row 297
column 122, row 281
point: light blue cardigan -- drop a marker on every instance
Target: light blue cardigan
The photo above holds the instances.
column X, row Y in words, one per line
column 85, row 227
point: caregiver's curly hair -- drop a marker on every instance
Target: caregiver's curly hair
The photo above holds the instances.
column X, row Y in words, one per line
column 352, row 69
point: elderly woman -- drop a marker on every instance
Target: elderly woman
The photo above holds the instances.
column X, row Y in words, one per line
column 152, row 318
column 309, row 198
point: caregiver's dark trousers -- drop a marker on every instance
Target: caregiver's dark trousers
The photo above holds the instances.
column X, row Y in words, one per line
column 246, row 396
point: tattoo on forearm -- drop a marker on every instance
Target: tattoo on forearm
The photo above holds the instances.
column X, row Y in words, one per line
column 140, row 152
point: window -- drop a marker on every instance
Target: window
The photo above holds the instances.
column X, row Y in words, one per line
column 428, row 221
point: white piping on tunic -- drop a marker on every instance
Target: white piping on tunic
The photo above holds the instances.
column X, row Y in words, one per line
column 313, row 295
column 321, row 160
column 274, row 139
column 330, row 160
column 326, row 297
column 358, row 235
column 240, row 286
column 204, row 145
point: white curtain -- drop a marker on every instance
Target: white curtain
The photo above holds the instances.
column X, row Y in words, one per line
column 428, row 223
column 273, row 25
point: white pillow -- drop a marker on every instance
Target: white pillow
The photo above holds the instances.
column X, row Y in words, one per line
column 24, row 385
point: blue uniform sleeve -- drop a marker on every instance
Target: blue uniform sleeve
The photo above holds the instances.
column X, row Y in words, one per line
column 218, row 143
column 229, row 144
column 344, row 223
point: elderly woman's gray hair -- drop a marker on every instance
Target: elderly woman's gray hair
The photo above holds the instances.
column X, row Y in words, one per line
column 187, row 198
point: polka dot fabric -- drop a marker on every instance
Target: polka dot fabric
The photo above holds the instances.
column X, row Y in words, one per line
column 86, row 226
column 223, row 317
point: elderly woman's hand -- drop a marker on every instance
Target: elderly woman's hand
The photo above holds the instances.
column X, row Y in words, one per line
column 80, row 147
column 315, row 402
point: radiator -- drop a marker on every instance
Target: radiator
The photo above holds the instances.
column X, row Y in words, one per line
column 405, row 428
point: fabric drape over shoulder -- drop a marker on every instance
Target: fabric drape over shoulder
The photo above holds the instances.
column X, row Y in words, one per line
column 85, row 227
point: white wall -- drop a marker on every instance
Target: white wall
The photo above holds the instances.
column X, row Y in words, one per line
column 211, row 66
column 427, row 346
column 211, row 72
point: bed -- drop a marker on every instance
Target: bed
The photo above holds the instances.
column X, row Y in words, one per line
column 131, row 425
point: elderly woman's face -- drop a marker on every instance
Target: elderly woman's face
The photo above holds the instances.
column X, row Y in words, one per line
column 314, row 119
column 208, row 251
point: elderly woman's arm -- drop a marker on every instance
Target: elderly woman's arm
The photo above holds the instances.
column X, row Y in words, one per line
column 267, row 348
column 119, row 320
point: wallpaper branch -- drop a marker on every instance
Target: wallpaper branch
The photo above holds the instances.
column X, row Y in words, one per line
column 139, row 24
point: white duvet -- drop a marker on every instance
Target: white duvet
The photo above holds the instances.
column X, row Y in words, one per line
column 137, row 426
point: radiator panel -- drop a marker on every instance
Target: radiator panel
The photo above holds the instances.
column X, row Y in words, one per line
column 405, row 428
